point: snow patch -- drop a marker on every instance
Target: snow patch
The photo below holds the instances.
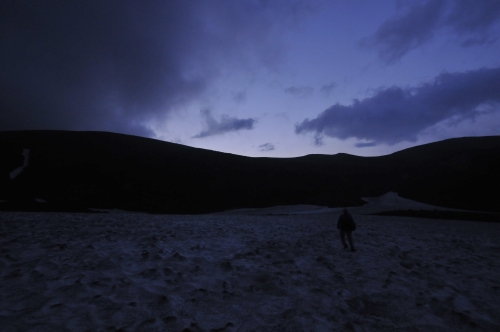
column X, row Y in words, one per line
column 386, row 202
column 17, row 171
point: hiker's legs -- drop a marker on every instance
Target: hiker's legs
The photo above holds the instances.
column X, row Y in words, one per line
column 342, row 238
column 349, row 237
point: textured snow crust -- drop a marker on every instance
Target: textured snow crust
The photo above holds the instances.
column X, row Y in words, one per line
column 135, row 272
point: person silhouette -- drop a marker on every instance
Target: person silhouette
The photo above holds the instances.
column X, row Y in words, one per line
column 346, row 225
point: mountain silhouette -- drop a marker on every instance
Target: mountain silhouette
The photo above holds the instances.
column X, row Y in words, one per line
column 75, row 171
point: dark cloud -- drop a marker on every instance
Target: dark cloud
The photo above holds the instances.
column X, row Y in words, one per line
column 472, row 20
column 318, row 139
column 398, row 114
column 266, row 147
column 397, row 36
column 115, row 65
column 326, row 89
column 469, row 16
column 300, row 91
column 225, row 125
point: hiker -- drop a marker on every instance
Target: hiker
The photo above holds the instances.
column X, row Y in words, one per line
column 346, row 225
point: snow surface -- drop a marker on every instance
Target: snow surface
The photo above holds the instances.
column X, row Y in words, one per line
column 135, row 272
column 17, row 171
column 387, row 202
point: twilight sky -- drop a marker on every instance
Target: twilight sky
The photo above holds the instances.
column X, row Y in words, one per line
column 255, row 78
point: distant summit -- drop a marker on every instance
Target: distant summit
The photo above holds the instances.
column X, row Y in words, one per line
column 75, row 171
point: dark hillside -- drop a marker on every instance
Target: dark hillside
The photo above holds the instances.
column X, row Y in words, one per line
column 79, row 170
column 460, row 172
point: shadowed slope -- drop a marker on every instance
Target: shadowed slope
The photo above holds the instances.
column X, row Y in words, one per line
column 105, row 170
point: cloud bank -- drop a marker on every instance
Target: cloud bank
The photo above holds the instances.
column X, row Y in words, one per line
column 473, row 21
column 225, row 125
column 397, row 114
column 117, row 65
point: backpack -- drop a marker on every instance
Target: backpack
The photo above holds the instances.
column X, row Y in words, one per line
column 348, row 223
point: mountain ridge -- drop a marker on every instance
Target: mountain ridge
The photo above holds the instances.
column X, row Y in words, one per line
column 80, row 170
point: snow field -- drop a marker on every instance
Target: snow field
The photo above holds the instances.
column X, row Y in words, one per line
column 137, row 272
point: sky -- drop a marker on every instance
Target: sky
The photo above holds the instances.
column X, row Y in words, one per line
column 255, row 78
